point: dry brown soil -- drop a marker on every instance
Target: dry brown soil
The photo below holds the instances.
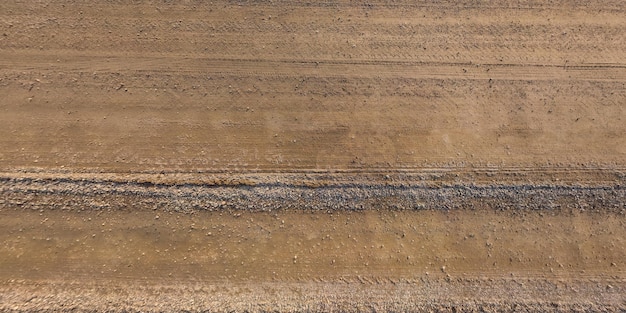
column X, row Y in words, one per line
column 312, row 156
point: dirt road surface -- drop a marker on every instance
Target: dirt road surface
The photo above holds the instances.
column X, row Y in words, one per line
column 261, row 156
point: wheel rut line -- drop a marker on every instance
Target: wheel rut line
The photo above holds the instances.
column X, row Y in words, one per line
column 159, row 59
column 398, row 185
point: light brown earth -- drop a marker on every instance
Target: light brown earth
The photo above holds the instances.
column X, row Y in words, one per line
column 312, row 156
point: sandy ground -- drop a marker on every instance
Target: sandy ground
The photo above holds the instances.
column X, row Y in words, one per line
column 312, row 156
column 106, row 245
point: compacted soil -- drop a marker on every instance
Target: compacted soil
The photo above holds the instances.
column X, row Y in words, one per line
column 261, row 156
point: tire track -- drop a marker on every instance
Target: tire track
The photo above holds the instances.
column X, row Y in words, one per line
column 335, row 68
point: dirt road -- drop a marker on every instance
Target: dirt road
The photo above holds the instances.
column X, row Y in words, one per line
column 312, row 156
